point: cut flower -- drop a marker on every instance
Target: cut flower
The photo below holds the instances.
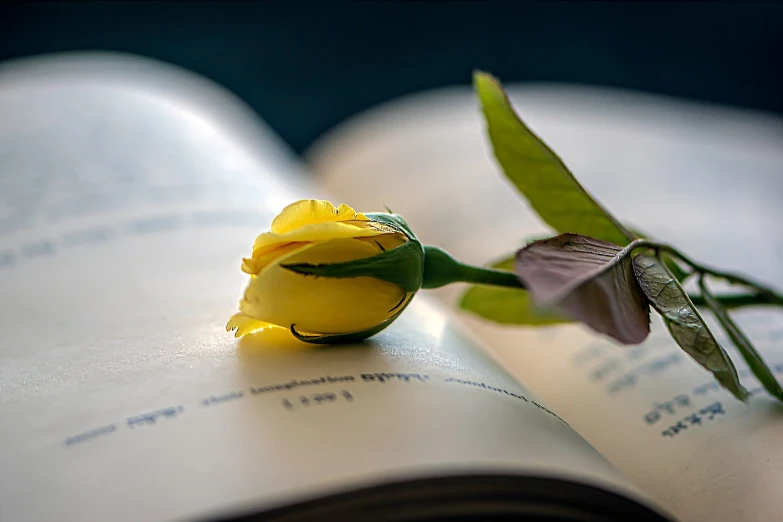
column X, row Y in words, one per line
column 288, row 290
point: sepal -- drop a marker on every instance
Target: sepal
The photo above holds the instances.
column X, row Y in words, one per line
column 402, row 265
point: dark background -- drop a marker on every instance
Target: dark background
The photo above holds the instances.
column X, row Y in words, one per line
column 305, row 66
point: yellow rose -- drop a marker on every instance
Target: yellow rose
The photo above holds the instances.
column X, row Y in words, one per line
column 327, row 272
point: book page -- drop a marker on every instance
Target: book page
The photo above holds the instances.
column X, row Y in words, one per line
column 706, row 179
column 129, row 192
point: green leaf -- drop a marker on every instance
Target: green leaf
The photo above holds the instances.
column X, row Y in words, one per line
column 589, row 280
column 674, row 267
column 743, row 344
column 539, row 174
column 506, row 305
column 684, row 322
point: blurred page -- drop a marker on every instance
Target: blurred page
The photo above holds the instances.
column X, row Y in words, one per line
column 129, row 193
column 706, row 179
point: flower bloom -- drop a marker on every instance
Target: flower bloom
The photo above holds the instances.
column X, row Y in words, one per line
column 374, row 267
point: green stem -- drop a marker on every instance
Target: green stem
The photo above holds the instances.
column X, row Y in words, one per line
column 742, row 342
column 761, row 294
column 730, row 277
column 489, row 276
column 731, row 302
column 440, row 269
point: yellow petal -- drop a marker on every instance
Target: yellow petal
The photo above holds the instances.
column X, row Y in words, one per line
column 271, row 339
column 319, row 232
column 320, row 305
column 312, row 211
column 243, row 324
column 255, row 264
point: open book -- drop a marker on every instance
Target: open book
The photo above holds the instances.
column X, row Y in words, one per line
column 130, row 191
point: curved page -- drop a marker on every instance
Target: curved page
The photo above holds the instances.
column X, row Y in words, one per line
column 706, row 179
column 129, row 193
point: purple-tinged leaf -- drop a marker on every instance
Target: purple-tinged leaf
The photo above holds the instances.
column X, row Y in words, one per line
column 588, row 280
